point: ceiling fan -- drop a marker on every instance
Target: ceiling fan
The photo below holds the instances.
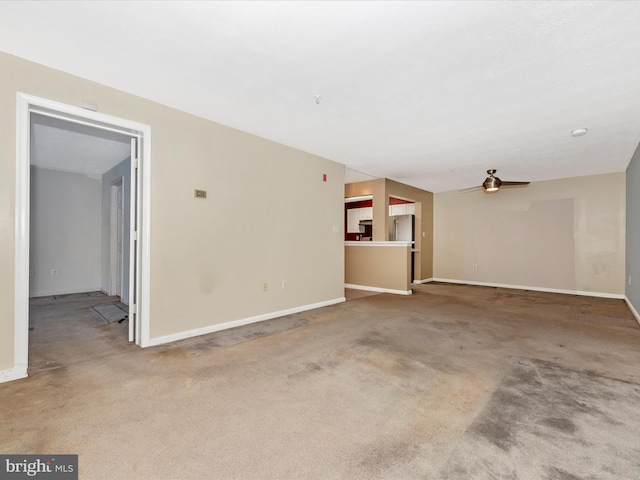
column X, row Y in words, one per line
column 492, row 184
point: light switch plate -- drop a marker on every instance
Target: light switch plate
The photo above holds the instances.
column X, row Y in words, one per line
column 200, row 193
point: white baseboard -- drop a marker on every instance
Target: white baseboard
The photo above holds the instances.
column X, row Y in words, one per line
column 536, row 289
column 238, row 323
column 633, row 309
column 11, row 374
column 56, row 292
column 377, row 289
column 426, row 280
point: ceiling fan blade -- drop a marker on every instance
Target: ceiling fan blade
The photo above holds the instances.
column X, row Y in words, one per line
column 514, row 184
column 471, row 189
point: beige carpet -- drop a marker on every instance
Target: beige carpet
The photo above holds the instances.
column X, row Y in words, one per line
column 453, row 382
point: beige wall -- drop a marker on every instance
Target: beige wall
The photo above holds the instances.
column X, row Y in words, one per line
column 563, row 234
column 384, row 267
column 382, row 189
column 268, row 216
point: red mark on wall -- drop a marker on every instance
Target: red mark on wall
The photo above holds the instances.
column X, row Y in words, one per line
column 324, row 177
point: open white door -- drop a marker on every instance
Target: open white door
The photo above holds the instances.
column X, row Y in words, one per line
column 135, row 256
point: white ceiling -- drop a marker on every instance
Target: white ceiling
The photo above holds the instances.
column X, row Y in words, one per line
column 431, row 94
column 71, row 147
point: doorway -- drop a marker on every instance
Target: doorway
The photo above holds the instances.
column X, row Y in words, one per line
column 138, row 245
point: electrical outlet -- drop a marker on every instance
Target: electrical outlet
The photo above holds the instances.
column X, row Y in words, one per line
column 31, row 273
column 475, row 266
column 284, row 284
column 54, row 272
column 629, row 280
column 265, row 286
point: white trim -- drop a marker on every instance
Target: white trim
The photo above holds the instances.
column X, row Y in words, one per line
column 51, row 293
column 21, row 265
column 358, row 199
column 134, row 244
column 377, row 289
column 144, row 235
column 377, row 244
column 426, row 280
column 25, row 104
column 11, row 374
column 632, row 308
column 535, row 289
column 238, row 323
column 81, row 116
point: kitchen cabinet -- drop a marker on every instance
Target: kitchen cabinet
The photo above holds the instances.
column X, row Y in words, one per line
column 402, row 209
column 355, row 215
column 396, row 210
column 353, row 220
column 366, row 213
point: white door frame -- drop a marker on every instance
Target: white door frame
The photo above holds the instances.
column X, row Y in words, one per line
column 25, row 105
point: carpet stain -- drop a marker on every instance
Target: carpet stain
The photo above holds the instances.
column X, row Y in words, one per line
column 385, row 456
column 499, row 433
column 373, row 339
column 559, row 474
column 245, row 333
column 544, row 407
column 310, row 369
column 387, row 363
column 561, row 424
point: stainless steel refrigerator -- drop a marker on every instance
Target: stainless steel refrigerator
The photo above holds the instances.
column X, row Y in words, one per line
column 403, row 228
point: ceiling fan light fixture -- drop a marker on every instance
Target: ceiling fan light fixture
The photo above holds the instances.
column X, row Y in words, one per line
column 578, row 132
column 491, row 184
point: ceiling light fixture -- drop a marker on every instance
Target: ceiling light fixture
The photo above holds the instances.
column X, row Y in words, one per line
column 491, row 184
column 578, row 132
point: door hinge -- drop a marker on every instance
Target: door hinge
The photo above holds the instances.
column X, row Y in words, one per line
column 136, row 162
column 133, row 309
column 135, row 236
